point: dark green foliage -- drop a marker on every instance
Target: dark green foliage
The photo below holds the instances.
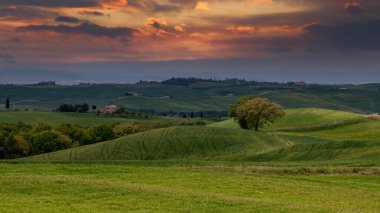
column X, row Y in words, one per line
column 7, row 104
column 81, row 108
column 100, row 133
column 76, row 134
column 49, row 141
column 19, row 140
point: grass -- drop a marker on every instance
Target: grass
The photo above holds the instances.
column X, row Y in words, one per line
column 317, row 136
column 195, row 97
column 192, row 143
column 122, row 188
column 85, row 119
column 312, row 160
column 302, row 118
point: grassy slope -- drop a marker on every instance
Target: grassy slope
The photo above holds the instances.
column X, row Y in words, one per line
column 322, row 135
column 195, row 143
column 124, row 188
column 349, row 143
column 87, row 119
column 302, row 118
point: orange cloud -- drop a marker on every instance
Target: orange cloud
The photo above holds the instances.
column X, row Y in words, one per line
column 263, row 1
column 241, row 28
column 114, row 3
column 202, row 6
column 180, row 28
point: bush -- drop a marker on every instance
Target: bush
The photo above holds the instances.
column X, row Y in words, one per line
column 100, row 133
column 127, row 129
column 49, row 141
column 76, row 134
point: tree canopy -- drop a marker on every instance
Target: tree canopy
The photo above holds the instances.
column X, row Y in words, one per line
column 255, row 113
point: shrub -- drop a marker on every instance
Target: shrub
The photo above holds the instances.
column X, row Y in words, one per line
column 100, row 133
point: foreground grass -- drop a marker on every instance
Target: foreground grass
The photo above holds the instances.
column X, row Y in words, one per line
column 125, row 187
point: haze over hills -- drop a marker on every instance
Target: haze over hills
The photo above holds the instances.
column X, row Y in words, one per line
column 324, row 70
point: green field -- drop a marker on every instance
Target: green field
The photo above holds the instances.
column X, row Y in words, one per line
column 191, row 143
column 196, row 96
column 303, row 118
column 150, row 188
column 312, row 160
column 83, row 119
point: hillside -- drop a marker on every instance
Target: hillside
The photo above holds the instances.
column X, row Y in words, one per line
column 194, row 95
column 82, row 119
column 303, row 118
column 308, row 135
column 202, row 143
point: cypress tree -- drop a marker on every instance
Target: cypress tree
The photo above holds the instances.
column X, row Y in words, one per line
column 7, row 103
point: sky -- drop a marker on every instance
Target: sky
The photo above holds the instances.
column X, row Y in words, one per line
column 324, row 41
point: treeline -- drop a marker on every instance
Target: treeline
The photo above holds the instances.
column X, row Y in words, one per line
column 191, row 80
column 81, row 108
column 21, row 140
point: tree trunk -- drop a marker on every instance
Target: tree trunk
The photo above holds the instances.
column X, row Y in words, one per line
column 257, row 125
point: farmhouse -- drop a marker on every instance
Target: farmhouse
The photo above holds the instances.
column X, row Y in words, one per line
column 109, row 109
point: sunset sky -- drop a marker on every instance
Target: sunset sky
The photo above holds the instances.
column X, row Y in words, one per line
column 277, row 40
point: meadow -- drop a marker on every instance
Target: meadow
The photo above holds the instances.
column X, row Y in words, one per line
column 312, row 160
column 85, row 119
column 175, row 188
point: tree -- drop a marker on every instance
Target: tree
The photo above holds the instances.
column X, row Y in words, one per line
column 201, row 114
column 240, row 101
column 85, row 107
column 101, row 133
column 93, row 107
column 49, row 141
column 192, row 115
column 256, row 113
column 7, row 103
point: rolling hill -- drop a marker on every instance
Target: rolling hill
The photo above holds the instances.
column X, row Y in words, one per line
column 308, row 135
column 194, row 95
column 303, row 118
column 195, row 143
column 82, row 119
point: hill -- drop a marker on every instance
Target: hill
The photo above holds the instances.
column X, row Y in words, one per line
column 83, row 119
column 195, row 143
column 304, row 118
column 308, row 135
column 183, row 95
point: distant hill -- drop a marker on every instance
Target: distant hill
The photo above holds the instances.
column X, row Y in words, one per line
column 191, row 94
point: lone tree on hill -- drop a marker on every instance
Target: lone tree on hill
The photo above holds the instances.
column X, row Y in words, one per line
column 7, row 103
column 255, row 113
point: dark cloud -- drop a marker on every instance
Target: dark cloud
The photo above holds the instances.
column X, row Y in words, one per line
column 91, row 12
column 162, row 8
column 23, row 12
column 349, row 36
column 67, row 19
column 50, row 3
column 87, row 28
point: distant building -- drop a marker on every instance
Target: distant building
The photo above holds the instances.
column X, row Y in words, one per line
column 109, row 109
column 300, row 84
